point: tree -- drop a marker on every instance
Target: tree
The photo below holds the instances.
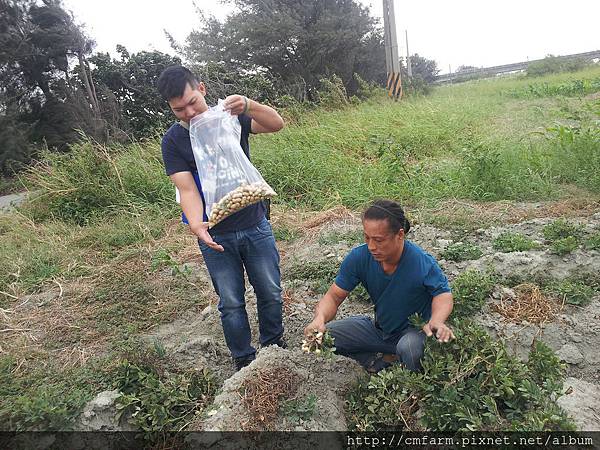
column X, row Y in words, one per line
column 132, row 82
column 39, row 94
column 296, row 41
column 424, row 68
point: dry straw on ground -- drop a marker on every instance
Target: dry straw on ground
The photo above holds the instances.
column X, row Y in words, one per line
column 263, row 392
column 529, row 304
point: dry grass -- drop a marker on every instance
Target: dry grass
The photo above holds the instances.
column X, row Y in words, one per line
column 262, row 394
column 471, row 214
column 529, row 304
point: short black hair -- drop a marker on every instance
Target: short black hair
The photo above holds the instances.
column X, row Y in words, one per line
column 388, row 210
column 173, row 80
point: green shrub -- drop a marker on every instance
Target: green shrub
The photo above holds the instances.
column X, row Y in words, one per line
column 593, row 242
column 471, row 290
column 299, row 409
column 48, row 398
column 161, row 402
column 565, row 245
column 555, row 64
column 514, row 242
column 469, row 384
column 320, row 274
column 560, row 229
column 332, row 93
column 572, row 291
column 461, row 251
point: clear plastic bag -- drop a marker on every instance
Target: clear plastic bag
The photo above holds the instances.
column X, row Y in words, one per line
column 229, row 180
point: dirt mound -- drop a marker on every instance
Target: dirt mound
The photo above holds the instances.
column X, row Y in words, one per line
column 325, row 380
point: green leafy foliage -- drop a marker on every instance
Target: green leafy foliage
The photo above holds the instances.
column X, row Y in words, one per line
column 593, row 242
column 47, row 398
column 565, row 245
column 571, row 291
column 554, row 64
column 299, row 43
column 560, row 229
column 299, row 409
column 162, row 259
column 470, row 290
column 461, row 251
column 320, row 274
column 514, row 242
column 469, row 384
column 161, row 402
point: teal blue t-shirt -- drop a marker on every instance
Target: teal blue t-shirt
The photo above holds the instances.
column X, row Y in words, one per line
column 417, row 279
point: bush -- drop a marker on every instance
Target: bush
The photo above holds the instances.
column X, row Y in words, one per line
column 565, row 245
column 332, row 93
column 470, row 384
column 555, row 64
column 461, row 251
column 470, row 290
column 593, row 242
column 514, row 242
column 161, row 402
column 573, row 292
column 560, row 229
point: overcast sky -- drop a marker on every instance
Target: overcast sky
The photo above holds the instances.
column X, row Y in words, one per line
column 453, row 33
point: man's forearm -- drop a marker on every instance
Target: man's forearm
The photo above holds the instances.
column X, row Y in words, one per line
column 326, row 309
column 266, row 117
column 441, row 307
column 192, row 206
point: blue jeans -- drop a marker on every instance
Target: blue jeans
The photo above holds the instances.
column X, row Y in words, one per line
column 358, row 338
column 253, row 249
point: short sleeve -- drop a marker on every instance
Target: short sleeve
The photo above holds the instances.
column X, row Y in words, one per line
column 171, row 158
column 348, row 275
column 246, row 123
column 435, row 281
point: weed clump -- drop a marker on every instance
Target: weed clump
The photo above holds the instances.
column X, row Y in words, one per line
column 318, row 273
column 561, row 229
column 572, row 292
column 470, row 290
column 159, row 401
column 565, row 245
column 508, row 242
column 470, row 384
column 461, row 251
column 593, row 243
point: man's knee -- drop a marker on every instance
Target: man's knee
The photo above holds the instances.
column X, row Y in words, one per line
column 410, row 349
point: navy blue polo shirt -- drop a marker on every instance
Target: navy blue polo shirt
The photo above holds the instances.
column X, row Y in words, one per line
column 178, row 157
column 417, row 279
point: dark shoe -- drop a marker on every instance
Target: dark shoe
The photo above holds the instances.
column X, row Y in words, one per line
column 378, row 365
column 280, row 343
column 242, row 362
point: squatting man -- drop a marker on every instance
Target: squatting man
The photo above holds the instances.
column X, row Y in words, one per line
column 401, row 279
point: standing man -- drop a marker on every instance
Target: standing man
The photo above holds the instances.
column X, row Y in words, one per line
column 243, row 240
column 401, row 280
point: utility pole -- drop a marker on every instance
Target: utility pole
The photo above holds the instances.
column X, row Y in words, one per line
column 408, row 64
column 392, row 61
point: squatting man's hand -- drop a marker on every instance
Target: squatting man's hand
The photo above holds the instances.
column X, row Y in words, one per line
column 236, row 104
column 202, row 232
column 443, row 333
column 314, row 325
